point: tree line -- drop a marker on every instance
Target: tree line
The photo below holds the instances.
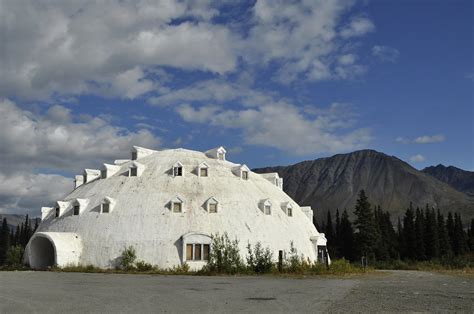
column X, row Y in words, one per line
column 14, row 240
column 421, row 234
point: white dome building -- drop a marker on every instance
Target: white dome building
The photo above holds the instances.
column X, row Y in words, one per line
column 167, row 205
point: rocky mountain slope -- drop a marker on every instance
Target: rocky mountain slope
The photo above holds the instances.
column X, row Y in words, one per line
column 459, row 179
column 334, row 182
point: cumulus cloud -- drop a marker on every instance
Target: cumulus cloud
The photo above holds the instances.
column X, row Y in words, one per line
column 97, row 47
column 385, row 53
column 27, row 192
column 357, row 27
column 285, row 127
column 55, row 141
column 417, row 158
column 113, row 48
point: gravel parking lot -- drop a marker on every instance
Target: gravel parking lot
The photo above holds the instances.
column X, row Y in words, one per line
column 47, row 292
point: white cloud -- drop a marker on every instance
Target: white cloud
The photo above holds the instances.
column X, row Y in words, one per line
column 385, row 53
column 425, row 139
column 357, row 27
column 417, row 158
column 428, row 139
column 58, row 141
column 91, row 47
column 285, row 127
column 23, row 193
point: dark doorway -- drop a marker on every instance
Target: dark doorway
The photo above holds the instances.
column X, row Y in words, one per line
column 322, row 254
column 42, row 253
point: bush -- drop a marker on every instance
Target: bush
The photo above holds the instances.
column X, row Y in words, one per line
column 14, row 256
column 224, row 256
column 143, row 266
column 259, row 260
column 128, row 257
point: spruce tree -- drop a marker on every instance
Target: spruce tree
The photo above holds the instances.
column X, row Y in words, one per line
column 450, row 230
column 420, row 235
column 366, row 236
column 337, row 235
column 471, row 236
column 329, row 233
column 409, row 234
column 347, row 237
column 4, row 241
column 401, row 240
column 459, row 242
column 431, row 234
column 444, row 242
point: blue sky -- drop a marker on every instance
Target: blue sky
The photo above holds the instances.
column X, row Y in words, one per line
column 275, row 82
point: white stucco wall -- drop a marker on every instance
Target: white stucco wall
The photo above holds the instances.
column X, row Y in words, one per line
column 142, row 217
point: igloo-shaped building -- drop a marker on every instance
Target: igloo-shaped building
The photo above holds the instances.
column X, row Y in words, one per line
column 167, row 204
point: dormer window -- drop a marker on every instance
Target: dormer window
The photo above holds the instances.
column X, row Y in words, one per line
column 178, row 169
column 242, row 171
column 133, row 172
column 103, row 174
column 176, row 205
column 76, row 209
column 107, row 205
column 57, row 212
column 287, row 208
column 266, row 206
column 268, row 209
column 212, row 205
column 203, row 170
column 216, row 153
column 134, row 156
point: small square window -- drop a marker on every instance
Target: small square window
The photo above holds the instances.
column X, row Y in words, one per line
column 290, row 212
column 134, row 156
column 189, row 252
column 206, row 251
column 177, row 207
column 220, row 156
column 133, row 172
column 76, row 210
column 105, row 208
column 268, row 210
column 245, row 175
column 203, row 172
column 213, row 208
column 178, row 171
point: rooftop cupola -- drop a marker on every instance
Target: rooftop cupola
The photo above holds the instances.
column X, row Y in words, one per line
column 78, row 181
column 216, row 153
column 242, row 171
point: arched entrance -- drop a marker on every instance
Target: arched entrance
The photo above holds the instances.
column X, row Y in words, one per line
column 42, row 253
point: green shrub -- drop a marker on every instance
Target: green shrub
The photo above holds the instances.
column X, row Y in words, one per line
column 14, row 256
column 259, row 260
column 143, row 266
column 127, row 258
column 224, row 256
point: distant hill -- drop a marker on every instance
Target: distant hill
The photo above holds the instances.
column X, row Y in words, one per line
column 334, row 182
column 459, row 179
column 14, row 220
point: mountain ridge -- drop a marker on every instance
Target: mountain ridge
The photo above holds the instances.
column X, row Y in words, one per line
column 333, row 182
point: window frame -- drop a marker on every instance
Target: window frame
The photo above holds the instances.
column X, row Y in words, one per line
column 199, row 252
column 133, row 171
column 245, row 175
column 180, row 204
column 206, row 170
column 102, row 206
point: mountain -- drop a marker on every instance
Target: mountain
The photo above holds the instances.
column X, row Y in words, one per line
column 334, row 182
column 459, row 179
column 14, row 220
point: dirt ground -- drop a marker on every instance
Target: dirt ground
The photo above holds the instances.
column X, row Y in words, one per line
column 393, row 291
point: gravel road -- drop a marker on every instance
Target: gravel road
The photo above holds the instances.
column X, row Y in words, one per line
column 406, row 291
